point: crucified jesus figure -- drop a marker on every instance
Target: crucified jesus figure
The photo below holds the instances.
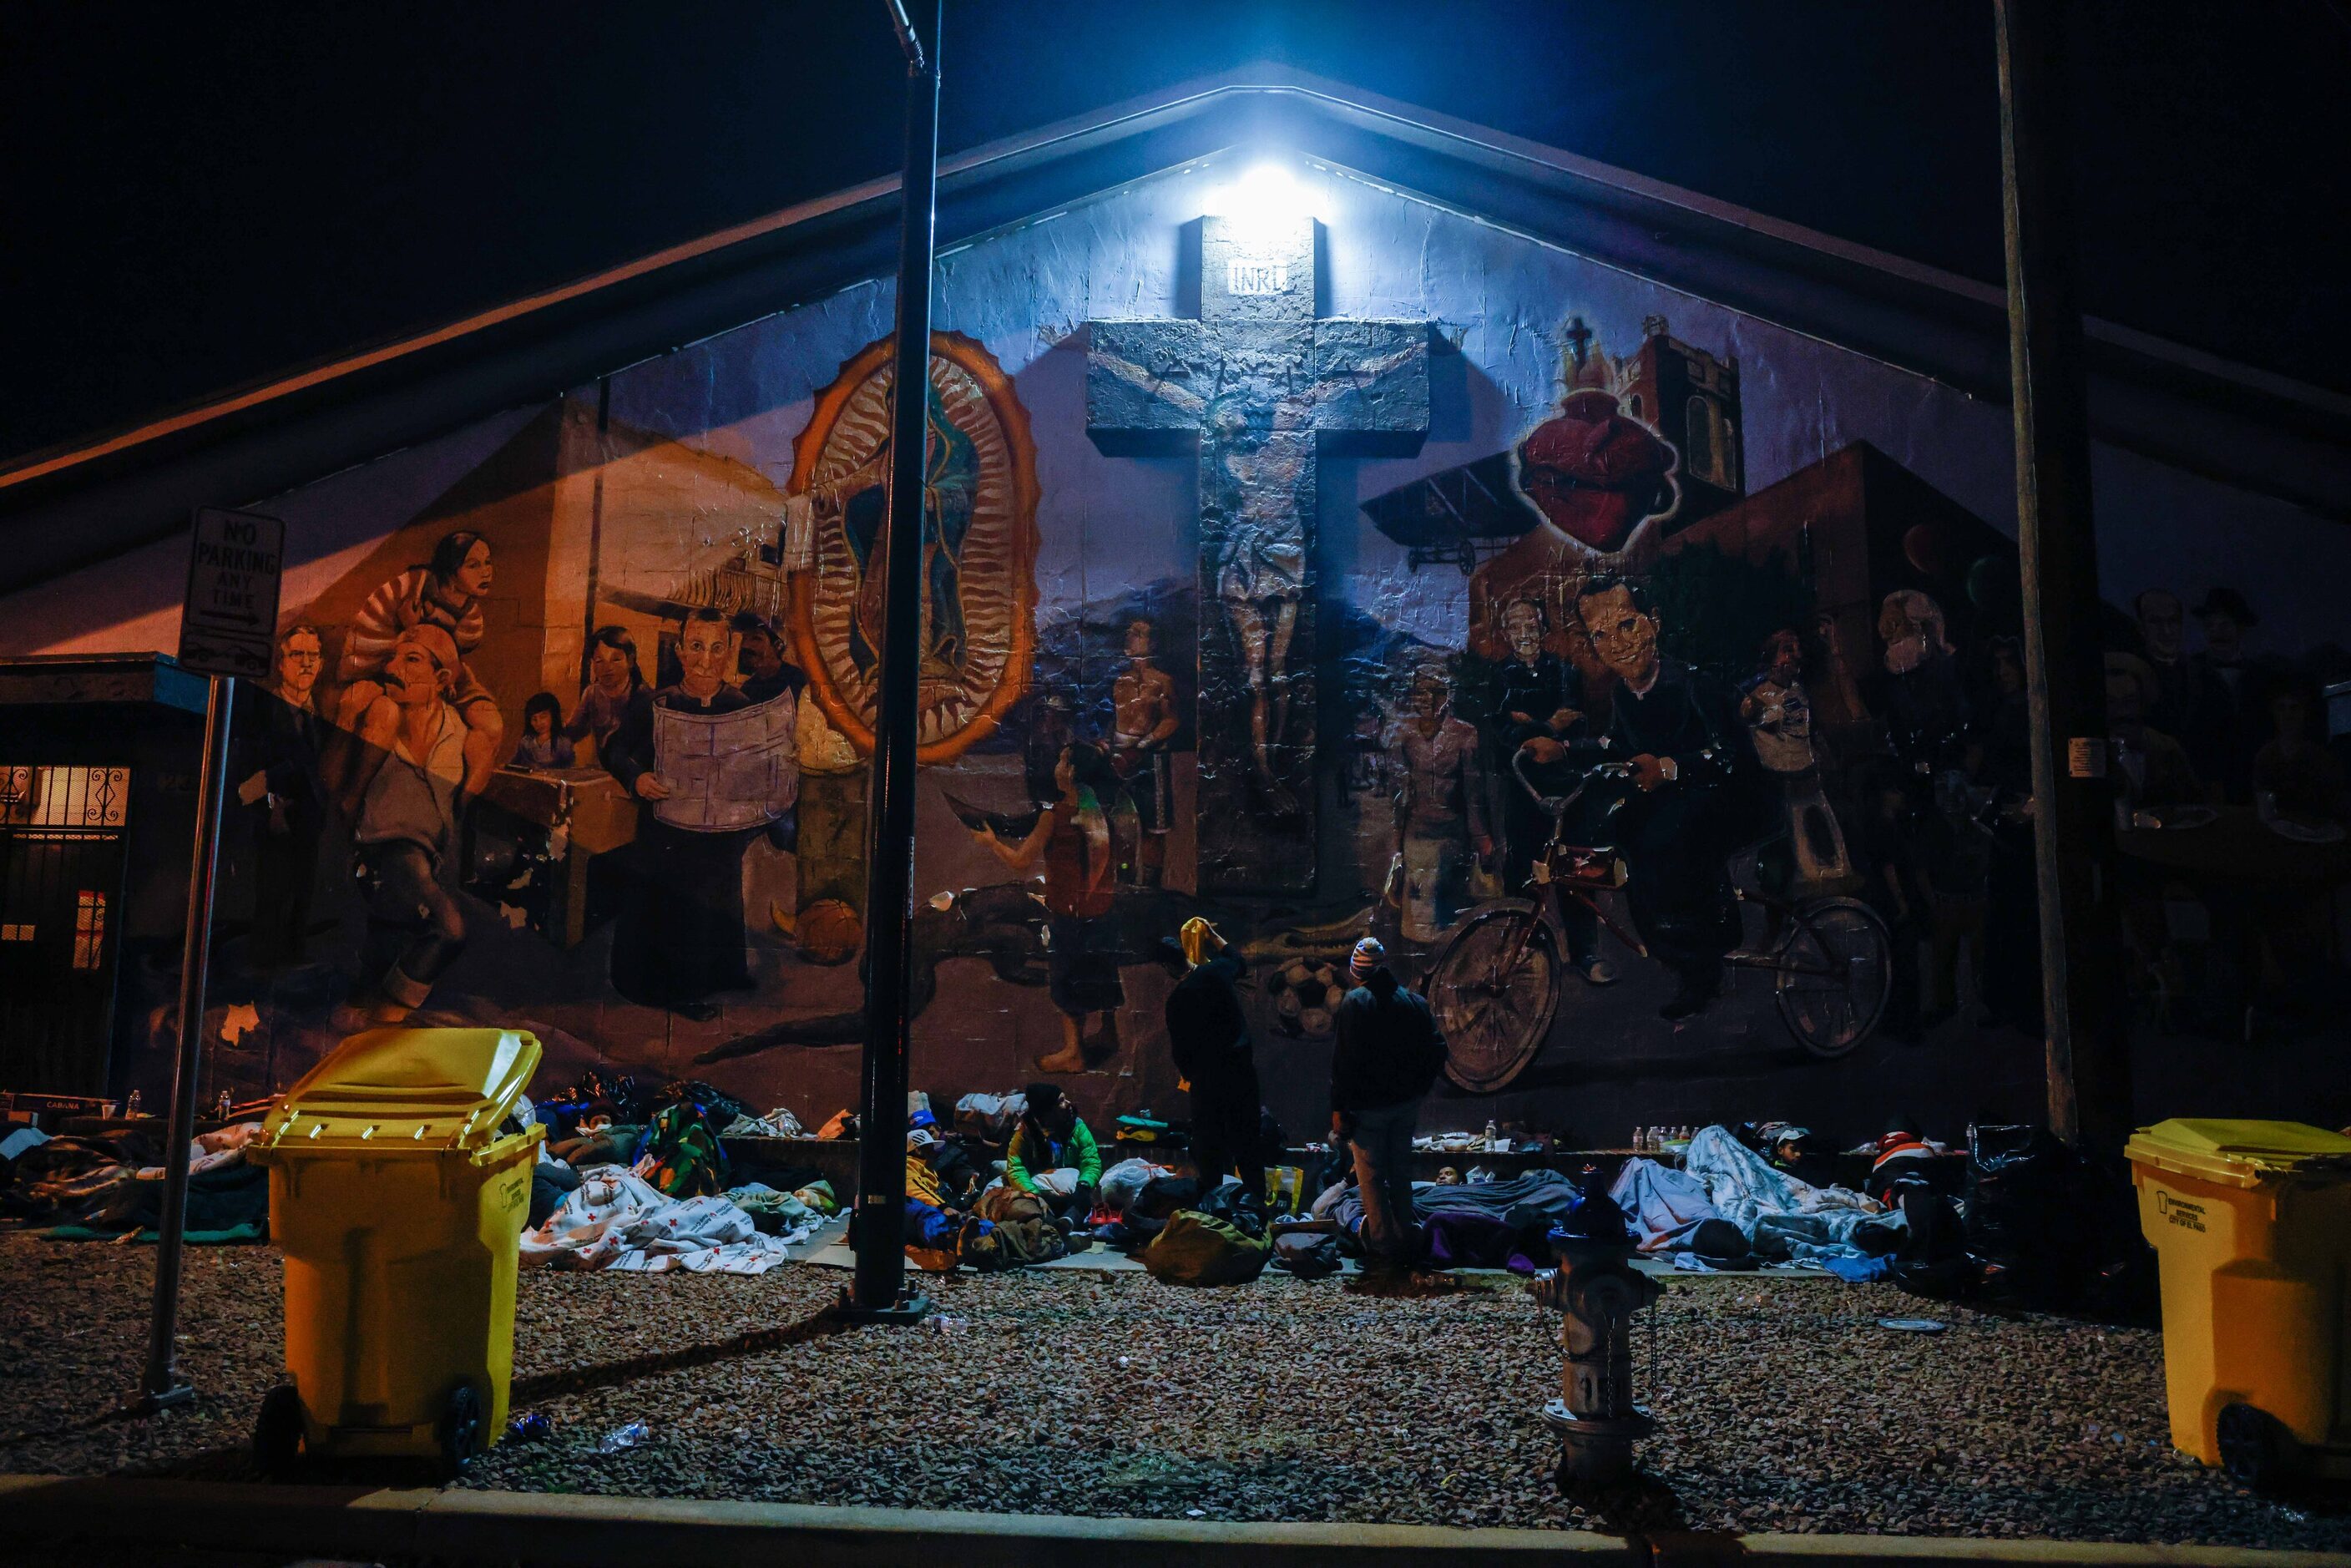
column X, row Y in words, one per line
column 1257, row 482
column 1262, row 578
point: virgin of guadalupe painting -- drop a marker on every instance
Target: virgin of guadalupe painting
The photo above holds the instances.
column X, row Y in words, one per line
column 979, row 545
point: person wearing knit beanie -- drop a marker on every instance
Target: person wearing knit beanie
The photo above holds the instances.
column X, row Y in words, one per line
column 1385, row 1055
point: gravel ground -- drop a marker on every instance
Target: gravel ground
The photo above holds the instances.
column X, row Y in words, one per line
column 1782, row 1405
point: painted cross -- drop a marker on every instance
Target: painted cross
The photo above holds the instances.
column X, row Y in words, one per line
column 1259, row 383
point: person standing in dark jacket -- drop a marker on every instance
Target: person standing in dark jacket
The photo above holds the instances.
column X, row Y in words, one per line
column 1386, row 1055
column 1209, row 1035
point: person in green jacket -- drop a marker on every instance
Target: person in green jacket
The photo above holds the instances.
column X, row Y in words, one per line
column 1050, row 1146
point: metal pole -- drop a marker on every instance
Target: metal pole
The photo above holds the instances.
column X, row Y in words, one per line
column 890, row 875
column 2074, row 836
column 161, row 1387
column 908, row 40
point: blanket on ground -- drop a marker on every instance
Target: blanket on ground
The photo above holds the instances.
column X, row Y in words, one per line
column 1782, row 1216
column 1665, row 1205
column 1519, row 1204
column 618, row 1220
column 1546, row 1192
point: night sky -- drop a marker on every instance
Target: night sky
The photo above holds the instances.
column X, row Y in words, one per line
column 200, row 196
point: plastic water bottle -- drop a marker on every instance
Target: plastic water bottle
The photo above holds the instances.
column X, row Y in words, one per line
column 621, row 1438
column 131, row 1107
column 1493, row 1135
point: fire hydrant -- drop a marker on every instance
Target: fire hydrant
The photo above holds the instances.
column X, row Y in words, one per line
column 1598, row 1289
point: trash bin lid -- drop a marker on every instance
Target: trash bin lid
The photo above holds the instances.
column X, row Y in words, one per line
column 425, row 1089
column 2240, row 1154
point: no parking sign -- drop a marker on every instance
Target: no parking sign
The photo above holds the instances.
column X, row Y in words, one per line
column 228, row 625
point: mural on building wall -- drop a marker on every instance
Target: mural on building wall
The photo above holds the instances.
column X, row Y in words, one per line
column 980, row 586
column 1666, row 768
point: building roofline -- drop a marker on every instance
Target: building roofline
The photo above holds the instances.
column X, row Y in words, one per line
column 359, row 405
column 1258, row 80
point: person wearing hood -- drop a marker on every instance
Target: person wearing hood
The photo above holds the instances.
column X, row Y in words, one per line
column 1386, row 1054
column 1902, row 1155
column 941, row 1186
column 1053, row 1154
column 1209, row 1036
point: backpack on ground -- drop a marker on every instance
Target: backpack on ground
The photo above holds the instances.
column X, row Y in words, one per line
column 1198, row 1249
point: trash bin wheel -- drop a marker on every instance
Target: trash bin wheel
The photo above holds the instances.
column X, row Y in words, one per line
column 277, row 1430
column 460, row 1430
column 2255, row 1448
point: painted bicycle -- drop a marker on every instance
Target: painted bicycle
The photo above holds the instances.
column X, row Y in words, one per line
column 1496, row 983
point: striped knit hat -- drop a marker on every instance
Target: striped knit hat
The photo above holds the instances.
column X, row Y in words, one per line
column 1369, row 954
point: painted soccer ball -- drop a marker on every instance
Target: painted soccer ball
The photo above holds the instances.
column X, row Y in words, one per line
column 830, row 932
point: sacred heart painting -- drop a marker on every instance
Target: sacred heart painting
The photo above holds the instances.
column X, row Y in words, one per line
column 979, row 545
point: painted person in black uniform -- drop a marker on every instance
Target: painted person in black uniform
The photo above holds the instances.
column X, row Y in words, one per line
column 1700, row 797
column 284, row 792
column 2011, row 984
column 2233, row 723
column 1535, row 695
column 1919, row 698
column 1916, row 691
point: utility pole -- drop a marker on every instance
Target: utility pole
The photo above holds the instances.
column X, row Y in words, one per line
column 2064, row 668
column 879, row 1294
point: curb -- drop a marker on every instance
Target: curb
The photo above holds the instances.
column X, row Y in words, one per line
column 582, row 1532
column 1708, row 1550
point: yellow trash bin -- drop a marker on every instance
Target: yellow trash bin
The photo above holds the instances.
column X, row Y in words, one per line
column 2251, row 1225
column 399, row 1207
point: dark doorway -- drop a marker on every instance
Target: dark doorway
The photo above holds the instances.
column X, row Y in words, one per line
column 60, row 906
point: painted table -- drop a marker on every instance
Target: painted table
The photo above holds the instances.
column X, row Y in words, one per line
column 597, row 817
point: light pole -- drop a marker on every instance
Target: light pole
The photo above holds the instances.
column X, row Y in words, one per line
column 2073, row 829
column 879, row 1293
